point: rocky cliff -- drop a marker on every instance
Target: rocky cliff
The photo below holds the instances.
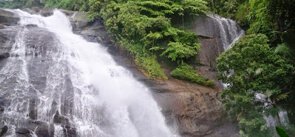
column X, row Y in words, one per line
column 194, row 110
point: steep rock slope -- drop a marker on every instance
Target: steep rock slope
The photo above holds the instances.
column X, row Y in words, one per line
column 194, row 110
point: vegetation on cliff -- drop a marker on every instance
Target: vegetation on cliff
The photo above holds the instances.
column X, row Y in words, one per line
column 259, row 69
column 256, row 82
column 19, row 3
column 187, row 72
column 144, row 28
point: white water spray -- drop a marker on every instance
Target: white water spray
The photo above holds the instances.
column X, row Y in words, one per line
column 229, row 31
column 106, row 101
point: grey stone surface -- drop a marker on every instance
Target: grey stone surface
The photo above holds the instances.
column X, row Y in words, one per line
column 8, row 18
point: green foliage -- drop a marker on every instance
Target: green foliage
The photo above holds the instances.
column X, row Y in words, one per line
column 187, row 72
column 282, row 14
column 13, row 4
column 145, row 27
column 270, row 17
column 151, row 67
column 259, row 18
column 179, row 51
column 250, row 67
column 284, row 50
column 145, row 60
column 68, row 4
column 253, row 125
column 281, row 132
column 226, row 8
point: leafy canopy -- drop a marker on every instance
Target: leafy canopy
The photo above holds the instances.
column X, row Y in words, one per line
column 146, row 26
column 251, row 67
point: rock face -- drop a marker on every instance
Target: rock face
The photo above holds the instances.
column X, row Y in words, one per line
column 7, row 34
column 38, row 59
column 8, row 18
column 194, row 110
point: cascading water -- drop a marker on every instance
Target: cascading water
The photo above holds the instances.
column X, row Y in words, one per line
column 55, row 83
column 229, row 31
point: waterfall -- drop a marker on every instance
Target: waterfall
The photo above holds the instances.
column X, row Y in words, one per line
column 56, row 83
column 229, row 31
column 281, row 119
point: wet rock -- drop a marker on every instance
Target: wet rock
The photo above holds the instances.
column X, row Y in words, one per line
column 23, row 132
column 33, row 110
column 7, row 38
column 31, row 26
column 93, row 31
column 4, row 55
column 3, row 130
column 43, row 130
column 68, row 12
column 46, row 12
column 1, row 109
column 211, row 46
column 196, row 110
column 68, row 129
column 80, row 20
column 8, row 18
column 2, row 26
column 40, row 128
column 42, row 11
column 205, row 27
column 59, row 119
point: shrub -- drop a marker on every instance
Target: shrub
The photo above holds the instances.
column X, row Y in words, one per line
column 187, row 72
column 151, row 67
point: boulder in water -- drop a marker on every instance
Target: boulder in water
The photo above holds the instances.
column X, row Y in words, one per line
column 8, row 18
column 23, row 132
column 31, row 26
column 4, row 55
column 43, row 130
column 3, row 130
column 2, row 26
column 36, row 10
column 59, row 119
column 1, row 109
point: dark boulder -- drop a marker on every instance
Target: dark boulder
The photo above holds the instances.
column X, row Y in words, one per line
column 68, row 129
column 3, row 130
column 59, row 119
column 23, row 132
column 8, row 18
column 1, row 109
column 2, row 26
column 31, row 26
column 36, row 10
column 93, row 31
column 43, row 130
column 7, row 38
column 4, row 55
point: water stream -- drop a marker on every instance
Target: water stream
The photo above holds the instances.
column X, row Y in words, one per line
column 56, row 83
column 229, row 31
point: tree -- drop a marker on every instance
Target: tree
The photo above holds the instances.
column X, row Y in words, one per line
column 249, row 69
